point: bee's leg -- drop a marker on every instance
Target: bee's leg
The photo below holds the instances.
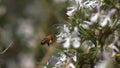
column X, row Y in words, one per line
column 48, row 44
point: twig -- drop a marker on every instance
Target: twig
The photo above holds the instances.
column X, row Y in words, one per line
column 7, row 48
column 50, row 51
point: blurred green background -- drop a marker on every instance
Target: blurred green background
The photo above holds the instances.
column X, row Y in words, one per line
column 26, row 22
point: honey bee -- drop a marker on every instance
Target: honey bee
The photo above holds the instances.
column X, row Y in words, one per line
column 48, row 40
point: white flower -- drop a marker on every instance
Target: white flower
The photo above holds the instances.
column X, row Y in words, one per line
column 105, row 21
column 79, row 2
column 91, row 4
column 74, row 8
column 66, row 29
column 66, row 37
column 107, row 18
column 76, row 42
column 85, row 24
column 76, row 38
column 65, row 61
column 64, row 33
column 63, row 57
column 75, row 32
column 112, row 46
column 67, row 43
column 69, row 64
column 74, row 58
column 71, row 10
column 59, row 39
column 111, row 12
column 95, row 17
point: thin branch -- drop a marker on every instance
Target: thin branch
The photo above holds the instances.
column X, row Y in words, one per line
column 50, row 51
column 7, row 48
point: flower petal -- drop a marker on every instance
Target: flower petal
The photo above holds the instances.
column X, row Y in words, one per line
column 95, row 17
column 67, row 43
column 76, row 43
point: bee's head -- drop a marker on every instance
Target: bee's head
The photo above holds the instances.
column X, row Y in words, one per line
column 43, row 42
